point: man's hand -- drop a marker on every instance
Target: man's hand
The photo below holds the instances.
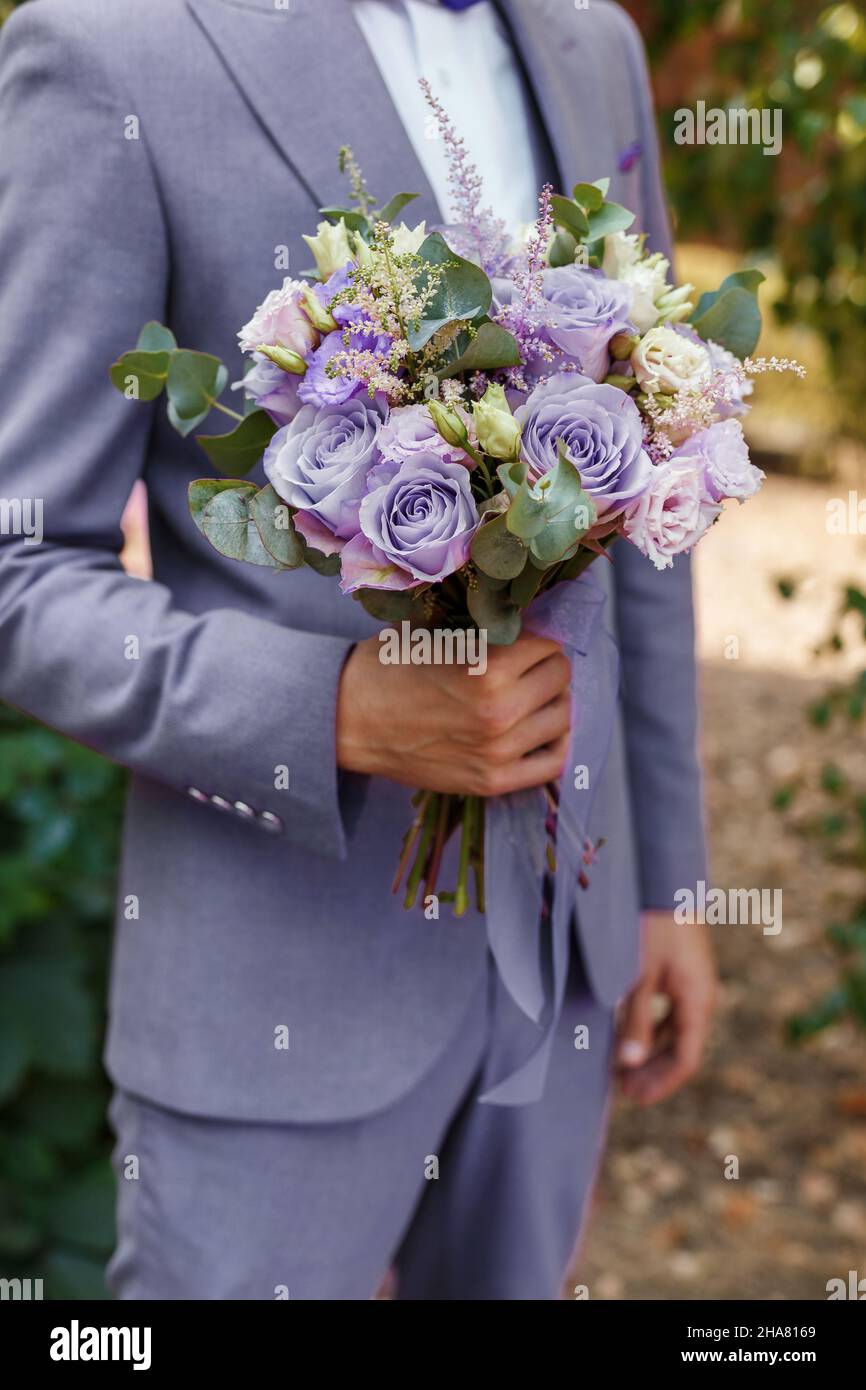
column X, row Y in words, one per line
column 657, row 1058
column 440, row 728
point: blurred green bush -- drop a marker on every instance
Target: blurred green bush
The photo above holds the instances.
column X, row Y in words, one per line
column 60, row 813
column 806, row 207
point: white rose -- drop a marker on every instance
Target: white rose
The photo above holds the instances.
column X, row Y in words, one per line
column 665, row 360
column 408, row 240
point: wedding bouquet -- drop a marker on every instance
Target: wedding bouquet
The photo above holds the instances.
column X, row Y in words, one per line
column 453, row 421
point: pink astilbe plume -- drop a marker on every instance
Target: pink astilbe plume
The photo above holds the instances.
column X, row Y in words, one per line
column 483, row 234
column 527, row 314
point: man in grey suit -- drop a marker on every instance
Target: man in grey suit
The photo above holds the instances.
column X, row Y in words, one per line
column 314, row 1084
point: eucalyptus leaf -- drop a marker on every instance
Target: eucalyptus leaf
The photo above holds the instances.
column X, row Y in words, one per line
column 354, row 220
column 220, row 509
column 195, row 381
column 273, row 521
column 731, row 315
column 323, row 564
column 464, row 291
column 386, row 605
column 568, row 513
column 524, row 588
column 588, row 195
column 567, row 214
column 493, row 611
column 611, row 217
column 148, row 370
column 155, row 337
column 239, row 450
column 491, row 348
column 394, row 206
column 496, row 551
column 563, row 248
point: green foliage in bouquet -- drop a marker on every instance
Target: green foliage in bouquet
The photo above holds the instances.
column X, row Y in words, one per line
column 840, row 829
column 60, row 808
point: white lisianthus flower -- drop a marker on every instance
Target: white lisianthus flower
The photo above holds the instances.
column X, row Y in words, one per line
column 645, row 275
column 654, row 298
column 666, row 361
column 280, row 322
column 330, row 247
column 408, row 240
column 672, row 514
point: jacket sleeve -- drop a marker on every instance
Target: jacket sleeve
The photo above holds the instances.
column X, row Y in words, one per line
column 212, row 703
column 657, row 632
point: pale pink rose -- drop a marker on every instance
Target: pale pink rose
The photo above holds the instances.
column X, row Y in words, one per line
column 672, row 514
column 280, row 322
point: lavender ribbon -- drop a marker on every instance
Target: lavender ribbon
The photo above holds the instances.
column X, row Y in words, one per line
column 531, row 955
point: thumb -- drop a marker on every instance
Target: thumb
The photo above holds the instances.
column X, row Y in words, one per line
column 636, row 1026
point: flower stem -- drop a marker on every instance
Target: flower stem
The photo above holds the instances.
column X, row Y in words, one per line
column 461, row 897
column 431, row 811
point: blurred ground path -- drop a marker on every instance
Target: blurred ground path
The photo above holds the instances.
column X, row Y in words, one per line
column 667, row 1222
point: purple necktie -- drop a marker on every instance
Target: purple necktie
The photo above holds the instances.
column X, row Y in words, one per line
column 457, row 4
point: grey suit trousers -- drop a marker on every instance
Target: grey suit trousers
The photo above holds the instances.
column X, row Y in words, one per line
column 463, row 1200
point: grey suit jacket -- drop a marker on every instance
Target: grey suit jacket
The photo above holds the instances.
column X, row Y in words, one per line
column 246, row 908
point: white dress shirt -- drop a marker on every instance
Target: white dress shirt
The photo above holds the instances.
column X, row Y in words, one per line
column 468, row 60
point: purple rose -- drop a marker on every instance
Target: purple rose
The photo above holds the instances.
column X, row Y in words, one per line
column 586, row 310
column 417, row 523
column 601, row 429
column 410, row 430
column 271, row 388
column 722, row 454
column 319, row 465
column 672, row 514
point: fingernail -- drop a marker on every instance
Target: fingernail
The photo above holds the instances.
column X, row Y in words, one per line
column 631, row 1052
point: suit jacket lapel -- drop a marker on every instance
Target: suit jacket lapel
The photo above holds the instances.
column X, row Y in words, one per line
column 572, row 58
column 280, row 58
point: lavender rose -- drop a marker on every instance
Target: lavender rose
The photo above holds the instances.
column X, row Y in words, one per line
column 585, row 310
column 601, row 428
column 672, row 514
column 319, row 465
column 417, row 523
column 723, row 454
column 410, row 430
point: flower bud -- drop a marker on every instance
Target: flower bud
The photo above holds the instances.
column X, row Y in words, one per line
column 621, row 346
column 283, row 357
column 498, row 431
column 316, row 312
column 449, row 424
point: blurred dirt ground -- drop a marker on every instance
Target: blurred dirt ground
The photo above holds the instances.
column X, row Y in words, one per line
column 667, row 1223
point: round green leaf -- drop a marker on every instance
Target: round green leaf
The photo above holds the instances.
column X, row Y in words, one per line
column 241, row 448
column 273, row 520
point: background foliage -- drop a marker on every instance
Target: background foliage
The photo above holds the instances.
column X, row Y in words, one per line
column 60, row 808
column 806, row 207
